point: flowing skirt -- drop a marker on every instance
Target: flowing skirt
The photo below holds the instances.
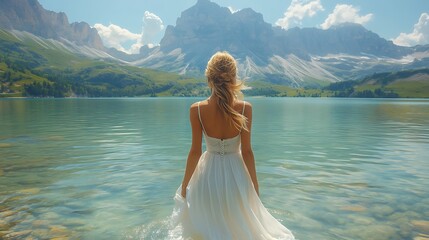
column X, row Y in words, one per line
column 221, row 203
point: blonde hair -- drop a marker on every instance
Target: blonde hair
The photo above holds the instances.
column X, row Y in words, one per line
column 221, row 73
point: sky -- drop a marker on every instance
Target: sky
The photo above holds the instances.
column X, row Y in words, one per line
column 129, row 24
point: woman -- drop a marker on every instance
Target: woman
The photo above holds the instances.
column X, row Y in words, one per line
column 219, row 195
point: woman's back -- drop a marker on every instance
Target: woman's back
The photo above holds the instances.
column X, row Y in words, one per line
column 213, row 120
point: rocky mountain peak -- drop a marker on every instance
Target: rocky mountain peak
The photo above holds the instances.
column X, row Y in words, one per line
column 30, row 16
column 249, row 14
column 207, row 27
column 203, row 13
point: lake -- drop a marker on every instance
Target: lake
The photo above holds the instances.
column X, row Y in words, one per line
column 109, row 168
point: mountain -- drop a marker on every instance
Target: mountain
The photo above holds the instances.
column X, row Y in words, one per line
column 30, row 16
column 294, row 57
column 346, row 38
column 207, row 25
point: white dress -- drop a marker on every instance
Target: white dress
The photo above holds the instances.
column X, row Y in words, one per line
column 221, row 202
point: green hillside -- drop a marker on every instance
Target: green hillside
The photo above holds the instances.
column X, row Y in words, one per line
column 28, row 68
column 403, row 84
column 407, row 84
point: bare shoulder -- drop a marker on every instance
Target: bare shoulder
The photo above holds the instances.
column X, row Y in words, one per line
column 242, row 103
column 193, row 110
column 194, row 105
column 247, row 106
column 201, row 103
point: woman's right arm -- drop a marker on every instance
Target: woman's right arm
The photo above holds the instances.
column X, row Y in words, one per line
column 195, row 151
column 246, row 147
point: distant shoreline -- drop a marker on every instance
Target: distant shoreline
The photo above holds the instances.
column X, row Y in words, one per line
column 170, row 97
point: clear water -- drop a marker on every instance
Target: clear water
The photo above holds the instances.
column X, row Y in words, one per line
column 108, row 168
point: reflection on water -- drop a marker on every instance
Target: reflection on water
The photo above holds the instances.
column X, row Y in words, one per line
column 328, row 168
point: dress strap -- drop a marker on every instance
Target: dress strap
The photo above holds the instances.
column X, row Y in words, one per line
column 199, row 116
column 242, row 113
column 244, row 106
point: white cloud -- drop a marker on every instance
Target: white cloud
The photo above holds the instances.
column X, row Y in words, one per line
column 297, row 11
column 345, row 13
column 232, row 10
column 126, row 41
column 420, row 34
column 152, row 25
column 117, row 37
